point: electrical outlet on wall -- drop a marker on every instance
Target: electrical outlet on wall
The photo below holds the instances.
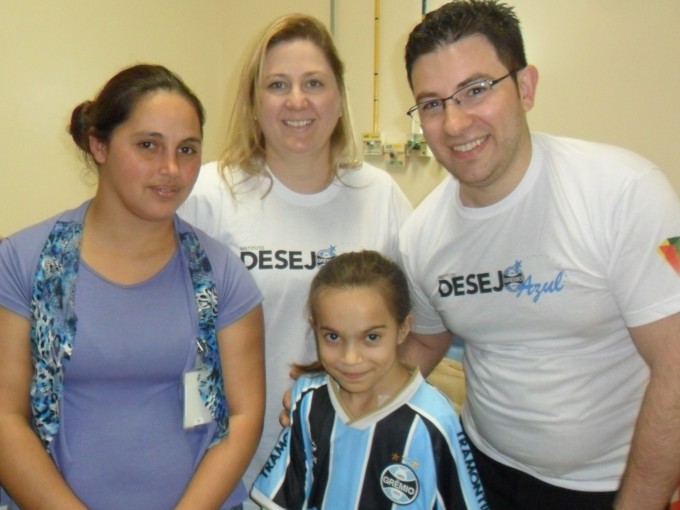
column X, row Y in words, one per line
column 417, row 147
column 395, row 154
column 372, row 144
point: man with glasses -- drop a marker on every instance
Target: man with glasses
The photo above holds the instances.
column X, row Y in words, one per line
column 556, row 261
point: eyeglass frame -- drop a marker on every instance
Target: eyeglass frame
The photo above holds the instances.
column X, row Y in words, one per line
column 452, row 97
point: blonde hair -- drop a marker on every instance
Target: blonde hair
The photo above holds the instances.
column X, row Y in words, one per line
column 245, row 147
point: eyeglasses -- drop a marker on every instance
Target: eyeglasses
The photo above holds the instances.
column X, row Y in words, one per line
column 470, row 95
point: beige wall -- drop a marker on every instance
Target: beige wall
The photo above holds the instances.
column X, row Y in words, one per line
column 608, row 72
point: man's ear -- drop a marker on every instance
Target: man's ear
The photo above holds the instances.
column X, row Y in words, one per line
column 527, row 81
column 99, row 149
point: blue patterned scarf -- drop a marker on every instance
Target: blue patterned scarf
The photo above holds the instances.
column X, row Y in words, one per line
column 53, row 326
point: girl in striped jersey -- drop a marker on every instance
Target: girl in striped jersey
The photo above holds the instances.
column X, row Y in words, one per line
column 367, row 432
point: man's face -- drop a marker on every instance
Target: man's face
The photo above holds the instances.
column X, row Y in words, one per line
column 487, row 146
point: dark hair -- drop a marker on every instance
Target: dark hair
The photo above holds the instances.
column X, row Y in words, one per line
column 361, row 269
column 116, row 101
column 461, row 18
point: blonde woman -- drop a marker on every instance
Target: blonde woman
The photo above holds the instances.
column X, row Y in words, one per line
column 289, row 193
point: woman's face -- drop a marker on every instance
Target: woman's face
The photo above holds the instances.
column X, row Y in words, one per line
column 149, row 166
column 300, row 102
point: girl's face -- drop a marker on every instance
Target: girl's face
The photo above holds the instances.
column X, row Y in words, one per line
column 357, row 337
column 151, row 162
column 300, row 101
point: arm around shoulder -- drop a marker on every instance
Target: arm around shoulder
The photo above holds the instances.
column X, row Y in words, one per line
column 425, row 350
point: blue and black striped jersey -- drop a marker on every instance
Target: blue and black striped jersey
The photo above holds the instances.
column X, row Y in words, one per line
column 410, row 453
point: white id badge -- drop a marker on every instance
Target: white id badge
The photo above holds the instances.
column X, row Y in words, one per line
column 195, row 411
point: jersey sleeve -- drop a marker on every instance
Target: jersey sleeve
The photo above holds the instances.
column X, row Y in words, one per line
column 470, row 484
column 283, row 482
column 453, row 469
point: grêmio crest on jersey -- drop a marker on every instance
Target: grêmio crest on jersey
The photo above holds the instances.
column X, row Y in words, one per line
column 399, row 484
